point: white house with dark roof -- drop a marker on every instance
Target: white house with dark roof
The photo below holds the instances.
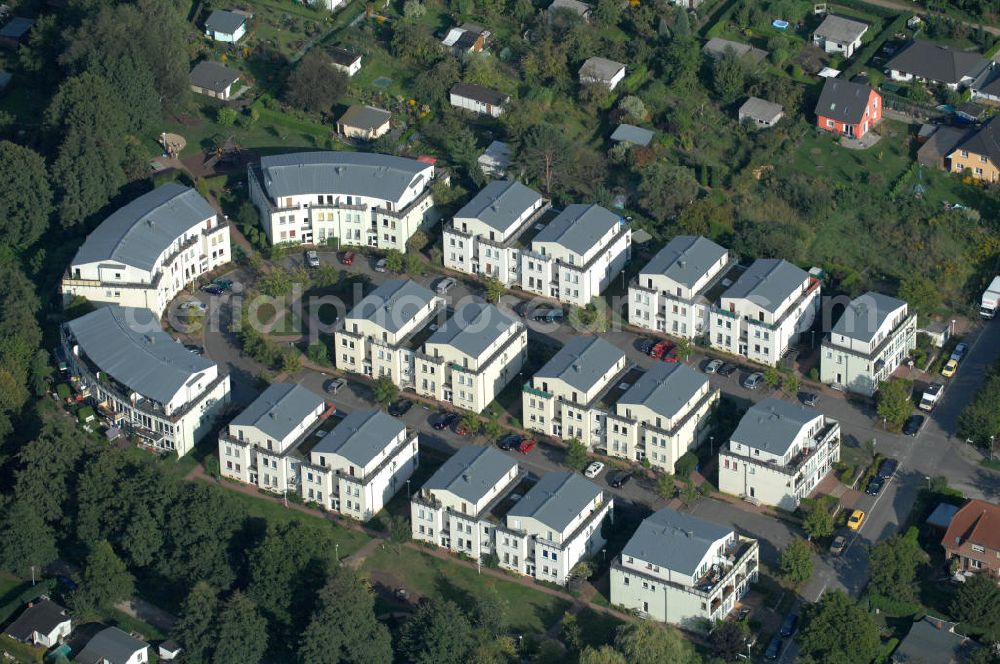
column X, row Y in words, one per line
column 148, row 251
column 581, row 9
column 226, row 26
column 554, row 526
column 627, row 133
column 364, row 122
column 601, row 71
column 471, row 358
column 351, row 198
column 872, row 338
column 576, row 255
column 495, row 160
column 467, row 38
column 213, row 79
column 113, row 646
column 141, row 380
column 837, row 34
column 671, row 293
column 383, row 333
column 760, row 112
column 485, row 236
column 42, row 623
column 478, row 99
column 937, row 64
column 683, row 570
column 346, row 61
column 779, row 453
column 765, row 311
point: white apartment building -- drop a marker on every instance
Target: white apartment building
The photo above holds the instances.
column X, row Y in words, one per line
column 359, row 198
column 779, row 453
column 576, row 255
column 672, row 293
column 383, row 333
column 141, row 380
column 873, row 336
column 149, row 250
column 288, row 441
column 486, row 235
column 471, row 358
column 764, row 312
column 683, row 570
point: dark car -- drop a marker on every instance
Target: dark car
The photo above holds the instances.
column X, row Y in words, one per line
column 809, row 399
column 212, row 289
column 887, row 469
column 400, row 408
column 789, row 625
column 548, row 315
column 510, row 441
column 521, row 309
column 645, row 345
column 444, row 421
column 727, row 370
column 874, row 487
column 619, row 479
column 913, row 425
column 774, row 648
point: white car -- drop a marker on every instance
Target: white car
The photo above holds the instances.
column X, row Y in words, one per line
column 594, row 469
column 312, row 258
column 713, row 366
column 194, row 304
column 444, row 285
column 381, row 265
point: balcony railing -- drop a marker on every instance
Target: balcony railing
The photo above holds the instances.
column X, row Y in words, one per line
column 822, row 442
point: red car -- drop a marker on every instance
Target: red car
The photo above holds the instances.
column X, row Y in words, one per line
column 526, row 446
column 671, row 355
column 460, row 429
column 657, row 351
column 347, row 258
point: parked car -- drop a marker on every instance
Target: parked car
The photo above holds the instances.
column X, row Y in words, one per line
column 726, row 370
column 224, row 284
column 400, row 408
column 838, row 544
column 713, row 366
column 460, row 429
column 334, row 385
column 959, row 351
column 913, row 425
column 874, row 487
column 525, row 446
column 887, row 469
column 444, row 285
column 645, row 345
column 594, row 469
column 619, row 479
column 671, row 355
column 855, row 520
column 809, row 399
column 659, row 349
column 774, row 648
column 789, row 625
column 194, row 305
column 191, row 348
column 347, row 258
column 950, row 368
column 510, row 441
column 548, row 315
column 444, row 421
column 312, row 258
column 212, row 289
column 522, row 308
column 753, row 381
column 381, row 265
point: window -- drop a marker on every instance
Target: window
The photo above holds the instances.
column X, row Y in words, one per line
column 978, row 548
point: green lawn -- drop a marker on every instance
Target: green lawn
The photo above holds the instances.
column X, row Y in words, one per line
column 597, row 628
column 20, row 651
column 530, row 611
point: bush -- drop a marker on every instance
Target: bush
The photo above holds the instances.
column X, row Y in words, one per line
column 685, row 465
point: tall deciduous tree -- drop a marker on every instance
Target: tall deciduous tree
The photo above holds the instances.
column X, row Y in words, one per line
column 195, row 626
column 893, row 564
column 315, row 85
column 343, row 627
column 46, row 466
column 602, row 655
column 26, row 541
column 977, row 603
column 893, row 401
column 796, row 561
column 105, row 581
column 438, row 633
column 665, row 189
column 242, row 636
column 491, row 613
column 645, row 642
column 819, row 521
column 25, row 196
column 838, row 631
column 544, row 154
column 729, row 74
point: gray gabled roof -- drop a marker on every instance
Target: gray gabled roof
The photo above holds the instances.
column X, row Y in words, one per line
column 771, row 425
column 760, row 109
column 626, row 133
column 767, row 283
column 17, row 27
column 279, row 409
column 674, row 541
column 393, row 304
column 931, row 641
column 685, row 259
column 137, row 233
column 665, row 388
column 471, row 472
column 557, row 499
column 936, row 62
column 5, row 78
column 361, row 436
column 358, row 173
column 579, row 227
column 129, row 344
column 600, row 69
column 500, row 204
column 111, row 644
column 840, row 29
column 42, row 616
column 574, row 6
column 213, row 76
column 716, row 47
column 844, row 101
column 865, row 314
column 364, row 117
column 984, row 141
column 472, row 328
column 480, row 93
column 582, row 362
column 342, row 56
column 223, row 21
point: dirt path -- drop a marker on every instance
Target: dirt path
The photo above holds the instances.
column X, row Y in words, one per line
column 149, row 613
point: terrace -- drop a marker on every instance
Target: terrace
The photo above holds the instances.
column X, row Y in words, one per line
column 824, row 442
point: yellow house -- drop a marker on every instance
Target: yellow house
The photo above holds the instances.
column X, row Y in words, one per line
column 980, row 154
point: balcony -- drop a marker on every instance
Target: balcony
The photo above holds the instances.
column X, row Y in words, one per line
column 737, row 562
column 822, row 443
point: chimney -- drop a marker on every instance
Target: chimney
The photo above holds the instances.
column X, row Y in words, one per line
column 465, row 476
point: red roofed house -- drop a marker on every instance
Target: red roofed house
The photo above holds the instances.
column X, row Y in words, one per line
column 974, row 537
column 847, row 108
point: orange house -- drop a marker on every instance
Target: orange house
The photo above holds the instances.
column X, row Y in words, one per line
column 848, row 109
column 974, row 537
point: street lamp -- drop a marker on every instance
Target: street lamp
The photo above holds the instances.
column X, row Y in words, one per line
column 992, row 438
column 711, row 446
column 336, row 552
column 407, row 489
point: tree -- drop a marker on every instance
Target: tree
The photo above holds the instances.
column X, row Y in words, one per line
column 226, row 116
column 492, row 427
column 772, row 377
column 544, row 154
column 837, row 630
column 921, row 293
column 729, row 75
column 495, row 289
column 471, row 423
column 105, row 580
column 729, row 639
column 576, row 454
column 438, row 633
column 385, row 390
column 893, row 564
column 242, row 637
column 602, row 655
column 571, row 633
column 291, row 360
column 413, row 9
column 196, row 622
column 608, row 12
column 645, row 642
column 796, row 562
column 682, row 28
column 893, row 401
column 977, row 603
column 679, row 62
column 46, row 467
column 492, row 613
column 818, row 522
column 665, row 486
column 665, row 188
column 394, row 260
column 25, row 196
column 315, row 85
column 343, row 627
column 26, row 541
column 790, row 383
